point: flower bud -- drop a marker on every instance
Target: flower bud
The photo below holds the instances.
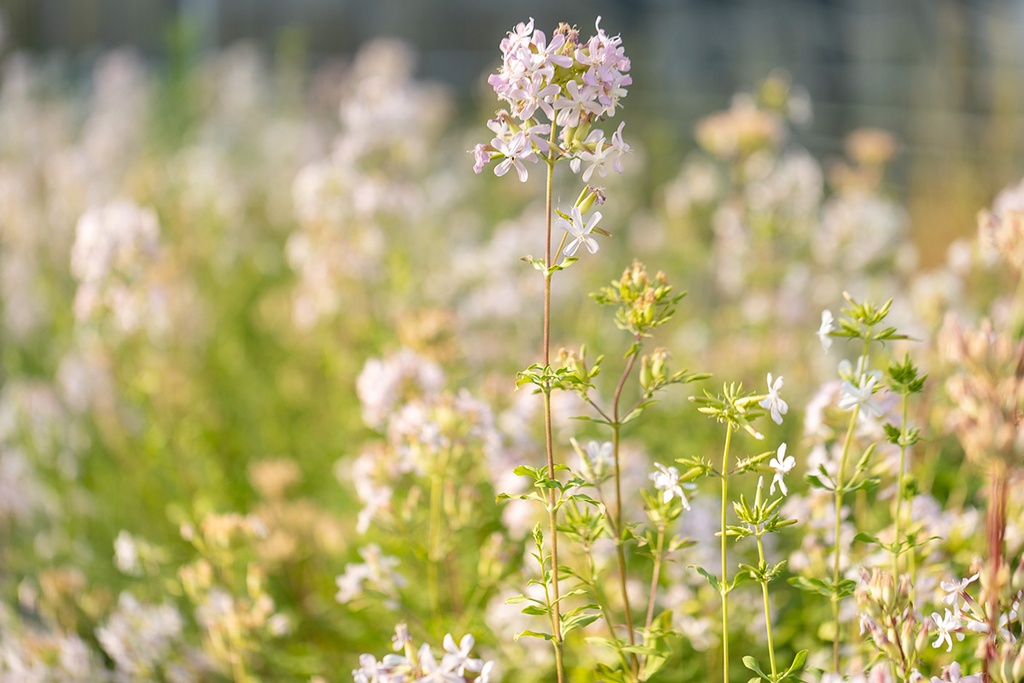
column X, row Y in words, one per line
column 588, row 197
column 645, row 372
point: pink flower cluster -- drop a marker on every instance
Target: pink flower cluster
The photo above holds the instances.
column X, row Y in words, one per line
column 572, row 84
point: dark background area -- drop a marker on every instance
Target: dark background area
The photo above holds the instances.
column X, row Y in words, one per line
column 946, row 76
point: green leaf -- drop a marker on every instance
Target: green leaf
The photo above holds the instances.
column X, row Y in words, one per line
column 811, row 585
column 798, row 662
column 713, row 580
column 577, row 622
column 752, row 664
column 533, row 634
column 864, row 537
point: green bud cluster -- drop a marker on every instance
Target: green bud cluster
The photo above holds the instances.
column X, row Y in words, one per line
column 644, row 302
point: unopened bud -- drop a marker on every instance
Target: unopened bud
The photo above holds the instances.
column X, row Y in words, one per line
column 658, row 358
column 588, row 197
column 645, row 372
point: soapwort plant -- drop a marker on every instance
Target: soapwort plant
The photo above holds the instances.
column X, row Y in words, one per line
column 555, row 92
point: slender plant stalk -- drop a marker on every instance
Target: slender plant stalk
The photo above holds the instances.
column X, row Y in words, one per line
column 897, row 515
column 556, row 625
column 620, row 551
column 601, row 603
column 656, row 576
column 432, row 543
column 435, row 531
column 767, row 612
column 725, row 564
column 998, row 487
column 840, row 483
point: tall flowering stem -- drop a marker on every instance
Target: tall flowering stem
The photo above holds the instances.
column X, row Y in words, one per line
column 556, row 616
column 555, row 91
column 725, row 554
column 861, row 321
column 903, row 380
column 840, row 483
column 763, row 517
column 643, row 303
column 736, row 409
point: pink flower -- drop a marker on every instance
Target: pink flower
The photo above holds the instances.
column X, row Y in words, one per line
column 516, row 151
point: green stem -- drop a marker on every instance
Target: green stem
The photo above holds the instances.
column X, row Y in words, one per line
column 655, row 576
column 435, row 517
column 767, row 612
column 602, row 605
column 556, row 627
column 725, row 565
column 897, row 515
column 840, row 483
column 620, row 551
column 435, row 531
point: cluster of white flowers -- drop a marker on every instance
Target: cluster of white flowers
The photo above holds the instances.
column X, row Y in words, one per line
column 379, row 175
column 386, row 382
column 414, row 666
column 402, row 397
column 376, row 573
column 116, row 248
column 572, row 83
column 144, row 640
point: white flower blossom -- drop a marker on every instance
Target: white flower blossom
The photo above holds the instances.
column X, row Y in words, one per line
column 782, row 465
column 947, row 625
column 666, row 480
column 580, row 231
column 852, row 395
column 773, row 402
column 827, row 325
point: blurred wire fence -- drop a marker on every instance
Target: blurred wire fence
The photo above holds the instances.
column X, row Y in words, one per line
column 947, row 76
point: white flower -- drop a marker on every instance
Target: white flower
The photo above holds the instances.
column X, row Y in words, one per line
column 457, row 657
column 577, row 101
column 516, row 150
column 953, row 591
column 773, row 402
column 666, row 479
column 126, row 554
column 580, row 230
column 603, row 155
column 826, row 327
column 485, row 673
column 442, row 673
column 595, row 461
column 946, row 624
column 783, row 465
column 851, row 395
column 953, row 672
